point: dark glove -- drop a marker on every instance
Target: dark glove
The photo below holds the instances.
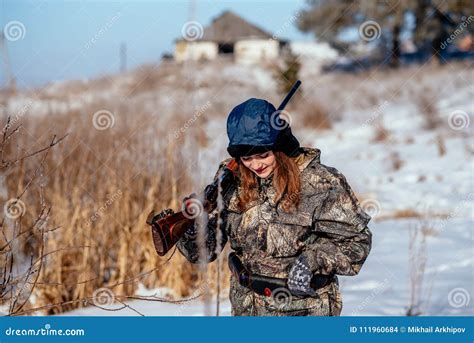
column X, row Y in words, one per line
column 191, row 231
column 166, row 212
column 299, row 278
column 191, row 196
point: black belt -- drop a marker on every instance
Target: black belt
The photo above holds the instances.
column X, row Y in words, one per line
column 265, row 285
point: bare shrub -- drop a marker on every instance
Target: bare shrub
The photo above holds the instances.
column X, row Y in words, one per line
column 441, row 146
column 24, row 226
column 426, row 102
column 313, row 115
column 406, row 213
column 396, row 163
column 381, row 133
column 419, row 295
column 102, row 185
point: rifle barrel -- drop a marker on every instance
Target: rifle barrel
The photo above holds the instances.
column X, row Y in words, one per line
column 289, row 95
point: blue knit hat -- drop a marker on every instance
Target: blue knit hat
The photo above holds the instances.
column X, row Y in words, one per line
column 256, row 126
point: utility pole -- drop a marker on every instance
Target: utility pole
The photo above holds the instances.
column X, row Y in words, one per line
column 123, row 57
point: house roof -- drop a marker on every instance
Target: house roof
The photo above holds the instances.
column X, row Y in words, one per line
column 229, row 27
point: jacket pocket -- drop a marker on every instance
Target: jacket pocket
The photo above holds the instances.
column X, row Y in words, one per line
column 286, row 234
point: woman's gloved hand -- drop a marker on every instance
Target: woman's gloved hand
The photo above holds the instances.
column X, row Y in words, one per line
column 191, row 196
column 191, row 231
column 299, row 278
column 166, row 212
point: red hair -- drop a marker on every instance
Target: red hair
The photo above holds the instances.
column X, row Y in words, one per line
column 286, row 181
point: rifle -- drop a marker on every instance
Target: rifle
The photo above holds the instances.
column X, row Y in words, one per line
column 167, row 230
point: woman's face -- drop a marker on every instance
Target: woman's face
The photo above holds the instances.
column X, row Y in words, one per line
column 261, row 164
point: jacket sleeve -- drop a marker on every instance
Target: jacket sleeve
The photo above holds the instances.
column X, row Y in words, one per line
column 342, row 240
column 214, row 232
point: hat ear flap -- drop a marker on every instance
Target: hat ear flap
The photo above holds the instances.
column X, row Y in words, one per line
column 287, row 142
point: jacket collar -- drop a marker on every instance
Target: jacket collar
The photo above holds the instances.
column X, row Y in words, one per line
column 308, row 156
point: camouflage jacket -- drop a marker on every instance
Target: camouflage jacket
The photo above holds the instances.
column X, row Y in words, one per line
column 329, row 228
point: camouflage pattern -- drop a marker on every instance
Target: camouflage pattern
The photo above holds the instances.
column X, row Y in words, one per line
column 329, row 228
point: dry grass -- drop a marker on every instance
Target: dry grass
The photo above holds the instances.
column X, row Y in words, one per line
column 419, row 292
column 441, row 146
column 101, row 185
column 426, row 102
column 22, row 229
column 395, row 161
column 313, row 114
column 406, row 213
column 381, row 133
column 409, row 213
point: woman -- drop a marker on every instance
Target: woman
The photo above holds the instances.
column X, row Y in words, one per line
column 288, row 216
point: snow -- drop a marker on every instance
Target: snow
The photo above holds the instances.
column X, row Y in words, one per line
column 152, row 308
column 384, row 278
column 445, row 198
column 438, row 188
column 321, row 51
column 382, row 286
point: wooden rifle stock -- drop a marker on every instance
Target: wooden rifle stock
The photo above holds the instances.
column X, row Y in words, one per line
column 167, row 230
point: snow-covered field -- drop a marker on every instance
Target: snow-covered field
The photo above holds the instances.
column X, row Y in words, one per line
column 382, row 287
column 415, row 179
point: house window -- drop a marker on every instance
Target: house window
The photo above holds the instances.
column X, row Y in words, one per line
column 226, row 48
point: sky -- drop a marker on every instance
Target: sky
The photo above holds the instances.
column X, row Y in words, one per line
column 63, row 39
